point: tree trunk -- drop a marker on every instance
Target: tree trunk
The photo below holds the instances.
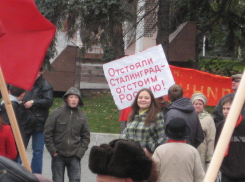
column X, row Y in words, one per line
column 117, row 41
column 163, row 25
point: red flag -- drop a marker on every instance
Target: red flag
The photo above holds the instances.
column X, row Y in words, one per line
column 25, row 43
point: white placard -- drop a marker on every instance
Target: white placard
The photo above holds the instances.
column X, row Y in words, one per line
column 146, row 69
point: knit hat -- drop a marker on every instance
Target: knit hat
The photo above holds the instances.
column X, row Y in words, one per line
column 122, row 159
column 199, row 96
column 177, row 129
column 74, row 91
column 236, row 76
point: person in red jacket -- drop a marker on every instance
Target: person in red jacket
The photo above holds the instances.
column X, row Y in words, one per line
column 7, row 142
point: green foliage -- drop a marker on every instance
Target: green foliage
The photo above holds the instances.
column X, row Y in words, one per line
column 99, row 21
column 221, row 67
column 109, row 54
column 101, row 111
column 63, row 14
column 101, row 11
column 223, row 23
column 101, row 24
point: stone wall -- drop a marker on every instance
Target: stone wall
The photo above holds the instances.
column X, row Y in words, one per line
column 92, row 76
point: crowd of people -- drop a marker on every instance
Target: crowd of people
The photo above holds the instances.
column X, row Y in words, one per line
column 162, row 141
column 65, row 131
column 186, row 121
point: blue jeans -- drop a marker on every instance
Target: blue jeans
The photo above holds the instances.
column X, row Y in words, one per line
column 73, row 168
column 37, row 154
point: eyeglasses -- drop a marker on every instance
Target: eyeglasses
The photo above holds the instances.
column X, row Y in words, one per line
column 236, row 80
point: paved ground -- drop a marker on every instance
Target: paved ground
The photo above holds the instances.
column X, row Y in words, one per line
column 87, row 176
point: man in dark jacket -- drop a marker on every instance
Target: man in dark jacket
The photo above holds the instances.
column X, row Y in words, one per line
column 182, row 108
column 67, row 136
column 35, row 111
column 217, row 113
column 233, row 164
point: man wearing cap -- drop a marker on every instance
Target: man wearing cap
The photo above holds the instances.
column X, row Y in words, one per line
column 121, row 161
column 67, row 136
column 217, row 113
column 176, row 160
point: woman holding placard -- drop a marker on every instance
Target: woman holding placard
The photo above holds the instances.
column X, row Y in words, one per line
column 145, row 123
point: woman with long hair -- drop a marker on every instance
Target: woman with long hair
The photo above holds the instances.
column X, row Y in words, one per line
column 7, row 142
column 145, row 123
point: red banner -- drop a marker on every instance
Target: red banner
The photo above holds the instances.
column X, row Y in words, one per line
column 192, row 81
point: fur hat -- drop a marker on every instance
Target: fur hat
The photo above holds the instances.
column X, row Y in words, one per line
column 177, row 129
column 199, row 96
column 122, row 159
column 237, row 76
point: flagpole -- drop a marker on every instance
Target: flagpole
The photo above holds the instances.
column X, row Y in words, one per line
column 13, row 122
column 225, row 136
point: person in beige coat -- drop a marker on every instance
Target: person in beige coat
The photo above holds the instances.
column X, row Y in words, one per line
column 177, row 160
column 206, row 148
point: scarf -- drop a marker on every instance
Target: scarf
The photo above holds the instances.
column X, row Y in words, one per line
column 142, row 111
column 176, row 141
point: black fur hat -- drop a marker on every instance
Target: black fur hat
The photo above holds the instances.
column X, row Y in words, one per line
column 122, row 159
